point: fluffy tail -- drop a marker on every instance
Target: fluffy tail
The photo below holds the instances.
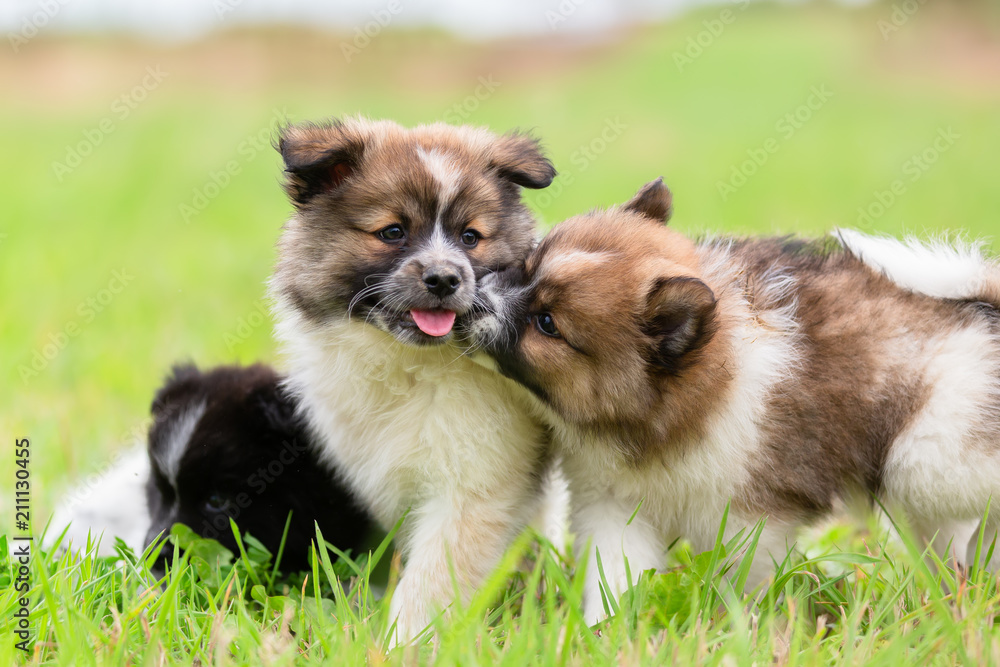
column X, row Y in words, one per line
column 942, row 270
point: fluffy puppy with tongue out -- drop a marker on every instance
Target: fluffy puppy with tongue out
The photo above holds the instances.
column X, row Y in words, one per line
column 377, row 268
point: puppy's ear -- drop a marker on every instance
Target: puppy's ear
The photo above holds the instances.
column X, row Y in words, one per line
column 679, row 319
column 654, row 201
column 184, row 381
column 518, row 158
column 319, row 158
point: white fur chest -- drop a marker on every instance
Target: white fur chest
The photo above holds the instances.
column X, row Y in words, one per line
column 403, row 424
column 683, row 494
column 684, row 490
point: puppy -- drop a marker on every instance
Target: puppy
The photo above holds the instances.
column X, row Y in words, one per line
column 392, row 230
column 229, row 443
column 224, row 443
column 777, row 375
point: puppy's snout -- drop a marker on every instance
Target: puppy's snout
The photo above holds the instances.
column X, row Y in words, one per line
column 442, row 281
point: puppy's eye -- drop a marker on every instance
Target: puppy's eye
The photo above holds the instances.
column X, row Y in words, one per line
column 216, row 502
column 545, row 324
column 470, row 237
column 392, row 233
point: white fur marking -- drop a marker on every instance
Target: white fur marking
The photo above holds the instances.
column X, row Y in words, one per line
column 604, row 523
column 937, row 468
column 440, row 248
column 444, row 170
column 169, row 458
column 573, row 259
column 552, row 520
column 945, row 271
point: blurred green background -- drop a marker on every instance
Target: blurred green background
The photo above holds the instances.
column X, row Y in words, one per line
column 141, row 197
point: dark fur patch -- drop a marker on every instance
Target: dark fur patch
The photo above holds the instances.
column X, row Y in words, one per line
column 680, row 319
column 315, row 167
column 516, row 160
column 250, row 457
column 654, row 201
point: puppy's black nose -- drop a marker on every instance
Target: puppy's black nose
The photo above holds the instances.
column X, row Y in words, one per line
column 441, row 281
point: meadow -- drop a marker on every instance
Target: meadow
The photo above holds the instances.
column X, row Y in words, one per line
column 141, row 203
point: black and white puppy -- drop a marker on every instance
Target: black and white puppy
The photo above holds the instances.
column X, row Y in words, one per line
column 224, row 443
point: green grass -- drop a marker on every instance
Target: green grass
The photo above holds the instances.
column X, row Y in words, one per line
column 195, row 286
column 870, row 606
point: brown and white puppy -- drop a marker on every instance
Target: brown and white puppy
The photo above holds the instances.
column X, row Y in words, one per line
column 779, row 375
column 392, row 230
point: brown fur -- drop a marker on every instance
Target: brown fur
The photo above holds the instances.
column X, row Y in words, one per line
column 349, row 179
column 647, row 323
column 830, row 427
column 621, row 284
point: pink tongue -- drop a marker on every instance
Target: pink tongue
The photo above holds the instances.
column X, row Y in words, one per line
column 434, row 322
